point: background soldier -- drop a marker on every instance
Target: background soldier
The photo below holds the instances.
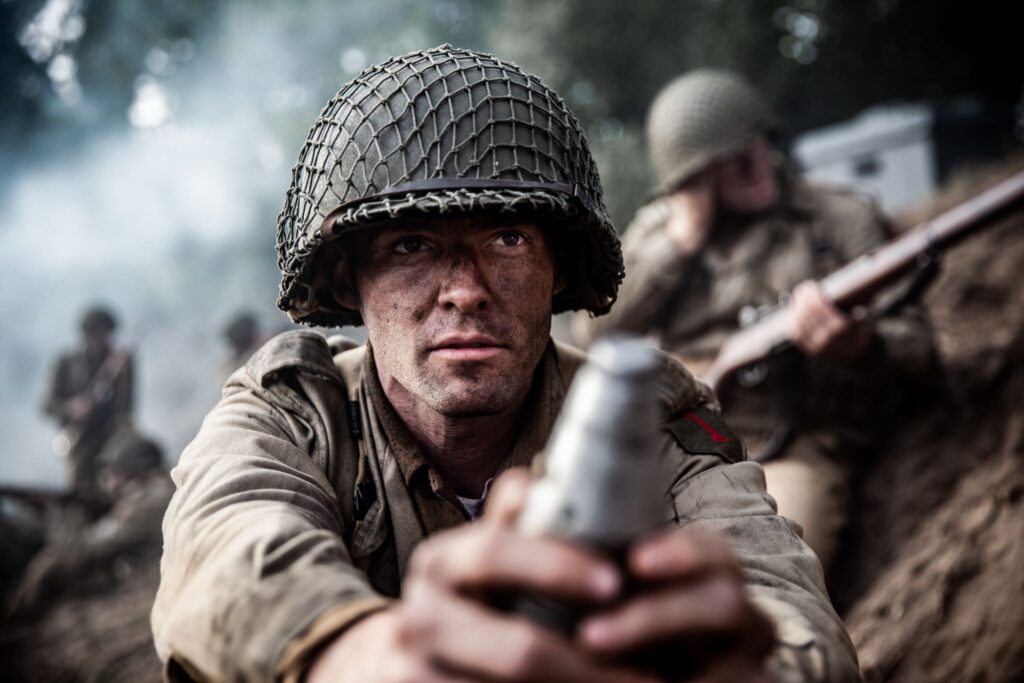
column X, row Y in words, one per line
column 242, row 335
column 134, row 480
column 90, row 395
column 449, row 201
column 734, row 230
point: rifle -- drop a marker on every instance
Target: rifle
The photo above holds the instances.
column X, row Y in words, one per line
column 857, row 281
column 99, row 394
column 37, row 497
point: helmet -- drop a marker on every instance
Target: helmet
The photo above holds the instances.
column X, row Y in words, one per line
column 700, row 117
column 242, row 330
column 98, row 320
column 440, row 132
column 131, row 454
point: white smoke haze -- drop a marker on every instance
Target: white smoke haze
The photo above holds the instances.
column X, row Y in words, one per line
column 157, row 224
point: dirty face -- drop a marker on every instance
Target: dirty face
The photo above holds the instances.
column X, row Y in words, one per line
column 458, row 311
column 748, row 182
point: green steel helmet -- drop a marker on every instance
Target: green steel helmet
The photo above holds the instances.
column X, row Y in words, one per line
column 97, row 320
column 441, row 132
column 131, row 453
column 242, row 330
column 699, row 117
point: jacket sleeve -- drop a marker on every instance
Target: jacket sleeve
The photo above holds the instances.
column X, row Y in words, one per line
column 654, row 272
column 715, row 489
column 254, row 556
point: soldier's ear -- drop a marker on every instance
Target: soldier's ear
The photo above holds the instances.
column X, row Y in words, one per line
column 561, row 281
column 556, row 250
column 343, row 279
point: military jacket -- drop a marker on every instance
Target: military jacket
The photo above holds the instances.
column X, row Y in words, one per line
column 292, row 517
column 77, row 373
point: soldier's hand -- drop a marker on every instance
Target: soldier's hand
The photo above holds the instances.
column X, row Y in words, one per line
column 690, row 609
column 443, row 628
column 820, row 329
column 691, row 214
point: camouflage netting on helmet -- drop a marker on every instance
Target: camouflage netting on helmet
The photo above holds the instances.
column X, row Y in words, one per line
column 444, row 131
column 699, row 117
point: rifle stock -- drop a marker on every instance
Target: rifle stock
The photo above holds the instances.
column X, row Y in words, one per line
column 857, row 281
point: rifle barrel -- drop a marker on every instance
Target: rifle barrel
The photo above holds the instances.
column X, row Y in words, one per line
column 852, row 283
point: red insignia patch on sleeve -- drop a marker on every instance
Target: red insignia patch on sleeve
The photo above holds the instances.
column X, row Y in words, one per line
column 703, row 432
column 715, row 436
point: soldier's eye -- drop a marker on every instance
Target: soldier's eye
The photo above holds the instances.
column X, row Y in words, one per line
column 409, row 245
column 512, row 238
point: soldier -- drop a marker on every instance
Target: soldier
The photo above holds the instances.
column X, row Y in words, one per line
column 242, row 334
column 734, row 230
column 90, row 395
column 134, row 479
column 449, row 201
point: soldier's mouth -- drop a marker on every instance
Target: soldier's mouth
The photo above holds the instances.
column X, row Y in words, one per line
column 467, row 347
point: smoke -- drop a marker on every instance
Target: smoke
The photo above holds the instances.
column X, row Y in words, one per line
column 172, row 228
column 167, row 217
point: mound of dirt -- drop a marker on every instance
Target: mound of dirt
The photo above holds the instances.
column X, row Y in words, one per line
column 97, row 634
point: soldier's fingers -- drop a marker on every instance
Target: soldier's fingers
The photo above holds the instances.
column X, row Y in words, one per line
column 471, row 640
column 731, row 671
column 813, row 297
column 807, row 317
column 815, row 333
column 677, row 554
column 714, row 606
column 489, row 557
column 421, row 670
column 507, row 497
column 813, row 309
column 807, row 338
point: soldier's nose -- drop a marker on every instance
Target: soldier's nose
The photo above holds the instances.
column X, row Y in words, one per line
column 464, row 288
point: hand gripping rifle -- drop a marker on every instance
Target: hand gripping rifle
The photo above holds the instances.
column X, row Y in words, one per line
column 857, row 281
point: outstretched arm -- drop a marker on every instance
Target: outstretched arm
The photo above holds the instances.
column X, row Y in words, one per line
column 254, row 555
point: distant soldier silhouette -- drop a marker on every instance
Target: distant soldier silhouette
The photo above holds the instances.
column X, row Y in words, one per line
column 243, row 337
column 90, row 395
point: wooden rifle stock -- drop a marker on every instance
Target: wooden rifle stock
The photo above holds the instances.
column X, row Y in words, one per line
column 857, row 281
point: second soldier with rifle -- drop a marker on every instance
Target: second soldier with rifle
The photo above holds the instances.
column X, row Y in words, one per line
column 734, row 232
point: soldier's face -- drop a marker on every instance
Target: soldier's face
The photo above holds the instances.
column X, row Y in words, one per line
column 96, row 341
column 748, row 182
column 458, row 311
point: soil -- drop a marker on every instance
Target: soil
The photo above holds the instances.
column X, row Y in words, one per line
column 931, row 578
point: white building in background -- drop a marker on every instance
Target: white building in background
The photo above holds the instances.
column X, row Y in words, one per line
column 887, row 152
